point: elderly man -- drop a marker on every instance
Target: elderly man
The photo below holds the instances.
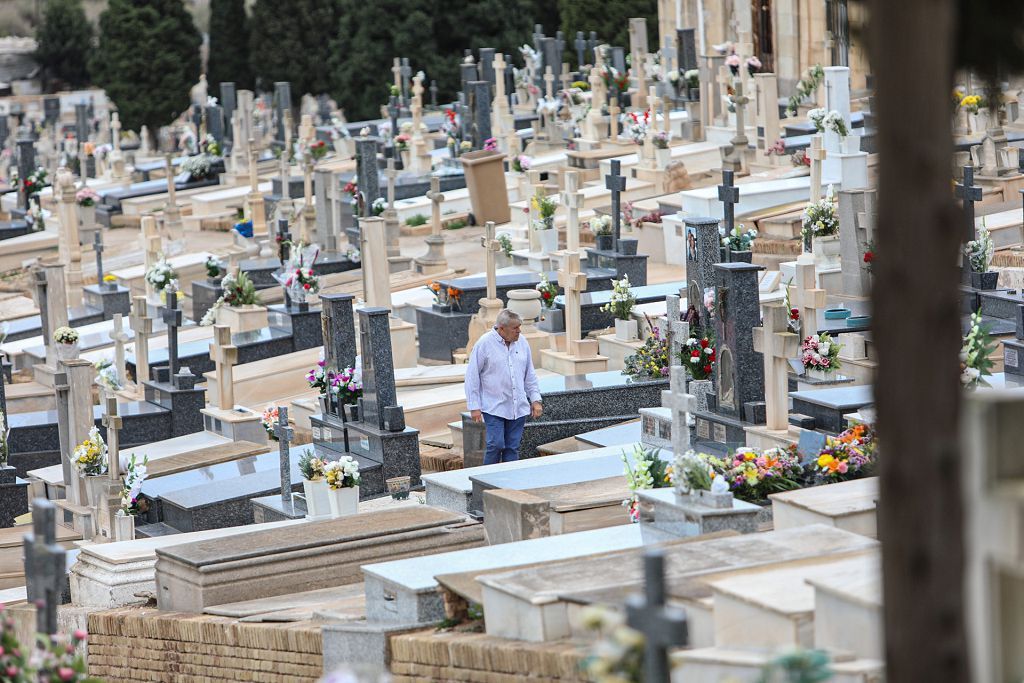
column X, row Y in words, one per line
column 501, row 387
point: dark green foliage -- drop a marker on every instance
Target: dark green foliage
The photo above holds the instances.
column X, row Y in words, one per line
column 229, row 45
column 610, row 20
column 290, row 40
column 147, row 60
column 65, row 39
column 990, row 37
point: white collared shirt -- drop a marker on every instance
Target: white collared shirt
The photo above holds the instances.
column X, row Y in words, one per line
column 500, row 379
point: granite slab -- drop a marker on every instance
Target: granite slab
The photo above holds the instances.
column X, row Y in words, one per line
column 827, row 406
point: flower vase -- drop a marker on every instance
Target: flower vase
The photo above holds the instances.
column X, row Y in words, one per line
column 548, row 238
column 850, row 144
column 525, row 303
column 986, row 280
column 95, row 485
column 700, row 389
column 663, row 157
column 626, row 330
column 405, row 155
column 318, row 505
column 67, row 351
column 124, row 526
column 343, row 501
column 553, row 321
column 818, row 374
column 86, row 219
column 826, row 251
column 604, row 242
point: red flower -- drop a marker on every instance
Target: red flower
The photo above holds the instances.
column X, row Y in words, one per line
column 305, row 286
column 707, row 369
column 794, row 314
column 546, row 295
column 695, row 354
column 703, row 343
column 869, row 256
column 711, row 356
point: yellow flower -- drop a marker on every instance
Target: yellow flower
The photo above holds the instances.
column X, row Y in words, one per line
column 109, row 278
column 824, row 460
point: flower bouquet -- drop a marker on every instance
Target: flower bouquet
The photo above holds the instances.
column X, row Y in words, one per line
column 269, row 420
column 342, row 477
column 648, row 471
column 847, row 456
column 90, row 456
column 548, row 291
column 318, row 150
column 86, row 197
column 975, row 361
column 820, row 355
column 651, row 360
column 160, row 274
column 521, row 163
column 214, row 267
column 752, row 475
column 698, row 356
column 66, row 340
column 135, row 475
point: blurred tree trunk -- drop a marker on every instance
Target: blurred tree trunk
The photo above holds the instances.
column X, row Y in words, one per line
column 916, row 304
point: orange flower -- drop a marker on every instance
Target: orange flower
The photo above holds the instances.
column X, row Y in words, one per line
column 454, row 293
column 436, row 286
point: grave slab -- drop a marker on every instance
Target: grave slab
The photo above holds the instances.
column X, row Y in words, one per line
column 849, row 505
column 827, row 406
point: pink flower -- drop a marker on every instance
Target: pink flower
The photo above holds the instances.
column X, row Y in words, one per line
column 65, row 673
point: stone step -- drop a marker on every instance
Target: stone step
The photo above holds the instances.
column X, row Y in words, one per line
column 714, row 665
column 154, row 530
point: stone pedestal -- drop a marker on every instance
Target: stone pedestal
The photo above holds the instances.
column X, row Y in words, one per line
column 243, row 318
column 667, row 515
column 239, row 424
column 110, row 300
column 441, row 332
column 633, row 265
column 13, row 496
column 434, row 260
column 184, row 401
column 580, row 358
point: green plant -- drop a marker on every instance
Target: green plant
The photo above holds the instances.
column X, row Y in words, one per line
column 820, row 219
column 239, row 290
column 456, row 224
column 622, row 301
column 739, row 239
column 310, row 466
column 978, row 346
column 979, row 251
column 51, row 659
column 506, row 244
column 65, row 40
column 416, row 220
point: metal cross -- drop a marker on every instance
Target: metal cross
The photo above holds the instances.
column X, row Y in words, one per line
column 171, row 316
column 663, row 626
column 97, row 246
column 616, row 182
column 581, row 45
column 729, row 195
column 284, row 434
column 45, row 565
column 113, row 423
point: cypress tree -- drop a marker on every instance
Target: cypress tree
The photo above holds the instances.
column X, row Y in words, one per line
column 290, row 40
column 65, row 39
column 147, row 59
column 229, row 44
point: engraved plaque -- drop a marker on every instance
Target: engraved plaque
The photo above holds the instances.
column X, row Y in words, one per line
column 316, row 432
column 720, row 436
column 703, row 429
column 328, row 434
column 1010, row 357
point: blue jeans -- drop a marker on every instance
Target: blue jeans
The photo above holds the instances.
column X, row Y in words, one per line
column 503, row 437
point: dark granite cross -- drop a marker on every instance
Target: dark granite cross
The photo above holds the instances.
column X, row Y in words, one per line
column 393, row 110
column 581, row 45
column 433, row 94
column 45, row 566
column 969, row 193
column 592, row 46
column 663, row 627
column 284, row 434
column 3, row 391
column 406, row 72
column 284, row 246
column 97, row 246
column 41, row 300
column 616, row 182
column 171, row 316
column 729, row 195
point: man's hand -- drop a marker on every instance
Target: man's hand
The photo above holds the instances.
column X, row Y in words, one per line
column 537, row 409
column 476, row 415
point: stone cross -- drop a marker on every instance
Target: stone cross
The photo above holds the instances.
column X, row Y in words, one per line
column 436, row 198
column 663, row 626
column 392, row 176
column 172, row 317
column 45, row 565
column 808, row 297
column 678, row 331
column 613, row 117
column 115, row 131
column 500, row 100
column 580, row 44
column 119, row 337
column 69, row 242
column 572, row 198
column 680, row 403
column 396, row 73
column 97, row 247
column 549, row 82
column 652, row 121
column 492, row 246
column 616, row 183
column 729, row 195
column 817, row 155
column 433, row 94
column 172, row 215
column 113, row 423
column 573, row 281
column 284, row 433
column 142, row 326
column 224, row 355
column 969, row 193
column 565, row 77
column 740, row 102
column 778, row 345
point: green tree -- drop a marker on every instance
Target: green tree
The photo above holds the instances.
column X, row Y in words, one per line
column 297, row 48
column 229, row 45
column 364, row 52
column 499, row 24
column 147, row 59
column 610, row 20
column 65, row 39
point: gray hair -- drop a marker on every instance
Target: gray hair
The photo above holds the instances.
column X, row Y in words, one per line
column 506, row 318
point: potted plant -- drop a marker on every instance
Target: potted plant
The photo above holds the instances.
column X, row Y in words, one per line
column 698, row 356
column 86, row 199
column 199, row 167
column 269, row 420
column 651, row 360
column 979, row 254
column 738, row 244
column 240, row 306
column 65, row 341
column 820, row 356
column 821, row 229
column 314, row 485
column 692, row 79
column 544, row 208
column 662, row 153
column 505, row 255
column 131, row 502
column 342, row 477
column 975, row 354
column 601, row 226
column 621, row 306
column 160, row 274
column 214, row 269
column 554, row 318
column 90, row 460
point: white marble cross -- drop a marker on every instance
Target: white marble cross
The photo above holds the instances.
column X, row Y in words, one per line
column 680, row 403
column 436, row 197
column 112, row 422
column 142, row 326
column 224, row 355
column 806, row 295
column 491, row 246
column 392, row 175
column 817, row 155
column 572, row 199
column 119, row 337
column 573, row 281
column 777, row 345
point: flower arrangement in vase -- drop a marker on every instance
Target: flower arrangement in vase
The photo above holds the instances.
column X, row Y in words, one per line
column 698, row 356
column 548, row 291
column 314, row 485
column 269, row 419
column 318, row 150
column 214, row 267
column 86, row 197
column 134, row 476
column 342, row 477
column 521, row 163
column 106, row 375
column 975, row 361
column 739, row 242
column 621, row 306
column 638, row 125
column 35, row 181
column 161, row 274
column 545, row 207
column 820, row 221
column 199, row 166
column 648, row 471
column 979, row 252
column 601, row 226
column 66, row 340
column 753, row 475
column 90, row 456
column 819, row 354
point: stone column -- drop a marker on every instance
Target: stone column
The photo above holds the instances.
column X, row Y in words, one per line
column 69, row 248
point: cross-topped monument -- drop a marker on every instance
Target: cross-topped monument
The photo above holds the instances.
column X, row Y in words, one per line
column 778, row 345
column 284, row 433
column 120, row 338
column 254, row 199
column 572, row 199
column 113, row 422
column 969, row 193
column 172, row 214
column 172, row 317
column 808, row 297
column 663, row 626
column 816, row 154
column 224, row 355
column 729, row 195
column 45, row 566
column 142, row 325
column 434, row 260
column 616, row 183
column 573, row 281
